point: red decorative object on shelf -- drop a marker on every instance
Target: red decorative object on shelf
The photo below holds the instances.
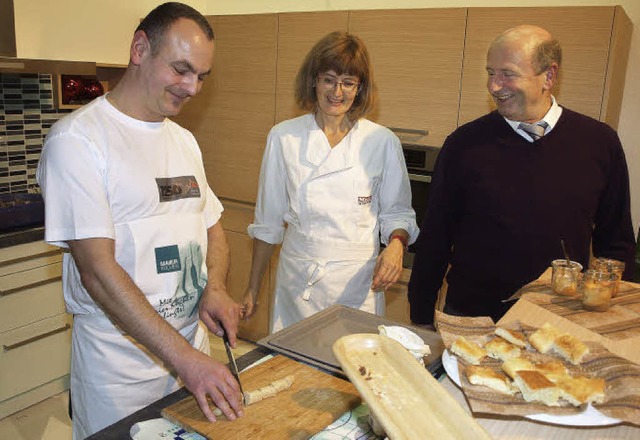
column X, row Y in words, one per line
column 78, row 90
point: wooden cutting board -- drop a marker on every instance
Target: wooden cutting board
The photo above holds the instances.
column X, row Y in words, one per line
column 313, row 402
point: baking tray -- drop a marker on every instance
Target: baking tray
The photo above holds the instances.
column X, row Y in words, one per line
column 311, row 340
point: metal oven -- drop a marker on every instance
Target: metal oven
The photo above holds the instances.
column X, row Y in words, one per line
column 420, row 162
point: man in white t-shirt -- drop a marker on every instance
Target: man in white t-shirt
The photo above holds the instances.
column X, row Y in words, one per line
column 125, row 191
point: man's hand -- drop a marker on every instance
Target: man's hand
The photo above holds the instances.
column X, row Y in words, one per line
column 220, row 313
column 388, row 266
column 204, row 377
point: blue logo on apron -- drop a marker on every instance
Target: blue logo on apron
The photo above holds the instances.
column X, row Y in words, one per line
column 168, row 259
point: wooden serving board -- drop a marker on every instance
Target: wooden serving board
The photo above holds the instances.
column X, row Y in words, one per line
column 405, row 399
column 313, row 402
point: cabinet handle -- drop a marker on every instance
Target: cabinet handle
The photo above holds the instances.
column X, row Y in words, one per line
column 238, row 201
column 36, row 338
column 409, row 131
column 29, row 286
column 419, row 178
column 31, row 257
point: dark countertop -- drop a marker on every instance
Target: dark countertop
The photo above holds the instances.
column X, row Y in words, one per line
column 120, row 430
column 21, row 236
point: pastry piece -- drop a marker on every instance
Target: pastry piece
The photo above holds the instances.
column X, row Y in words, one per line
column 570, row 348
column 581, row 389
column 542, row 339
column 511, row 366
column 512, row 336
column 536, row 388
column 270, row 390
column 552, row 370
column 467, row 350
column 499, row 348
column 486, row 376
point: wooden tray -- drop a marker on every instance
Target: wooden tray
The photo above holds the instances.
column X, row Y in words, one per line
column 406, row 400
column 313, row 402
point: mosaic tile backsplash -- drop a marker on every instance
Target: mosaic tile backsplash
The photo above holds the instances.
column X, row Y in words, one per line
column 27, row 111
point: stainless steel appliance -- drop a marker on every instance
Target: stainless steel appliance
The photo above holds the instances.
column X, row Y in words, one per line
column 420, row 162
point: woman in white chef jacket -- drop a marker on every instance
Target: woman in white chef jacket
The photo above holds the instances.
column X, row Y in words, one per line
column 332, row 186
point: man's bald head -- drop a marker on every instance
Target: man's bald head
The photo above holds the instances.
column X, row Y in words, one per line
column 537, row 42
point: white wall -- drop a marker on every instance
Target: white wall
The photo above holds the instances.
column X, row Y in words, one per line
column 100, row 30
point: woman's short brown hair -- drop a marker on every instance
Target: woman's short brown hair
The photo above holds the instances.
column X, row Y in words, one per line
column 345, row 54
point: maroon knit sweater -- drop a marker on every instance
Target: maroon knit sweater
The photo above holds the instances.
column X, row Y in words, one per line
column 499, row 205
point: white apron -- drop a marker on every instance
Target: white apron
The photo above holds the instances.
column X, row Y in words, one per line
column 315, row 274
column 112, row 375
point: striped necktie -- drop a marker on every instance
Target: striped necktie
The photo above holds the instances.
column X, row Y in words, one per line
column 536, row 131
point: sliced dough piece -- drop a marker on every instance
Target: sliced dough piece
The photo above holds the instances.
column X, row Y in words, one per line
column 536, row 388
column 570, row 348
column 542, row 339
column 469, row 351
column 499, row 348
column 512, row 336
column 511, row 366
column 486, row 376
column 581, row 389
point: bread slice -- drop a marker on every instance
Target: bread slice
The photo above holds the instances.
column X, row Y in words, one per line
column 570, row 348
column 478, row 375
column 467, row 350
column 536, row 388
column 499, row 348
column 581, row 389
column 552, row 370
column 512, row 336
column 511, row 366
column 542, row 339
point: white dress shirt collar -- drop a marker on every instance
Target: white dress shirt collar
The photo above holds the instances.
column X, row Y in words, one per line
column 551, row 118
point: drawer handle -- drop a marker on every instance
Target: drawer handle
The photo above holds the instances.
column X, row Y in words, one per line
column 409, row 131
column 29, row 286
column 37, row 338
column 31, row 257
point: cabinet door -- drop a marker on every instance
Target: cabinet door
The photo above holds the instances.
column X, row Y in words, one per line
column 417, row 61
column 297, row 33
column 235, row 219
column 584, row 34
column 34, row 354
column 235, row 109
column 397, row 299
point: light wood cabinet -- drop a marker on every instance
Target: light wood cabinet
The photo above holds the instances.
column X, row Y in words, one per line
column 595, row 43
column 417, row 59
column 235, row 219
column 297, row 33
column 429, row 65
column 35, row 331
column 235, row 109
column 397, row 299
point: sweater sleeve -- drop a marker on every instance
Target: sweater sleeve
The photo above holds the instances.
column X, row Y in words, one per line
column 613, row 235
column 434, row 243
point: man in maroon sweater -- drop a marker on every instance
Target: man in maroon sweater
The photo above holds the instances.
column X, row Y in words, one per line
column 502, row 199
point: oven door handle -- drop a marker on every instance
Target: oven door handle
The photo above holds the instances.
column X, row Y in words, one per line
column 420, row 178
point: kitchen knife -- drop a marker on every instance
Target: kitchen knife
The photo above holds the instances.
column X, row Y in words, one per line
column 232, row 363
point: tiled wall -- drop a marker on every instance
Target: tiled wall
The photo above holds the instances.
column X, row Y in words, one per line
column 26, row 112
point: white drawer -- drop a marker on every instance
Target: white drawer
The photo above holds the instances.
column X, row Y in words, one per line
column 20, row 265
column 31, row 304
column 34, row 355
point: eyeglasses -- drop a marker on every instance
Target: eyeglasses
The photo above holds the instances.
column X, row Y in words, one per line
column 330, row 82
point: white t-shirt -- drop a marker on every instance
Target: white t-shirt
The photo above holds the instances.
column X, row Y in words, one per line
column 105, row 174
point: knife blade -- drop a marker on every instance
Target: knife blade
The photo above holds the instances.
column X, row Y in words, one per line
column 233, row 367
